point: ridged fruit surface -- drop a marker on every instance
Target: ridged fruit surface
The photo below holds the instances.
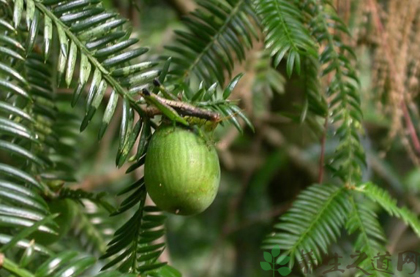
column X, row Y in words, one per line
column 182, row 171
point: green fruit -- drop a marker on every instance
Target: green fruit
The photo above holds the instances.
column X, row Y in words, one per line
column 65, row 209
column 182, row 171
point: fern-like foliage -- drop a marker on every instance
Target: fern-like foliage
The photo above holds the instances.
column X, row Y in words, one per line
column 371, row 239
column 370, row 236
column 54, row 128
column 28, row 134
column 63, row 150
column 335, row 64
column 215, row 100
column 79, row 195
column 285, row 33
column 133, row 248
column 267, row 80
column 315, row 102
column 22, row 126
column 344, row 105
column 99, row 44
column 217, row 31
column 383, row 198
column 67, row 263
column 311, row 225
column 93, row 227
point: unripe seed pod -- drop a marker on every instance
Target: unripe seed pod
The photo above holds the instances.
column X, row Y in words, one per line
column 182, row 171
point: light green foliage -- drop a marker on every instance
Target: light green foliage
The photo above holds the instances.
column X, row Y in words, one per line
column 383, row 198
column 286, row 35
column 218, row 33
column 306, row 216
column 337, row 59
column 312, row 224
column 56, row 55
column 370, row 236
column 92, row 42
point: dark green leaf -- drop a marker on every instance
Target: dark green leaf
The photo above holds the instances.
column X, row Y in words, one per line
column 228, row 90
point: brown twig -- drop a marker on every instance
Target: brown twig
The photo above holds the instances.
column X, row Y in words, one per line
column 181, row 107
column 322, row 156
column 411, row 129
column 385, row 41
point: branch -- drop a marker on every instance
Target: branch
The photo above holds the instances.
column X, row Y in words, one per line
column 394, row 73
column 182, row 107
column 322, row 156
